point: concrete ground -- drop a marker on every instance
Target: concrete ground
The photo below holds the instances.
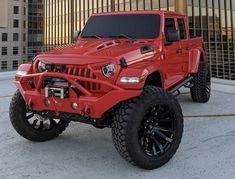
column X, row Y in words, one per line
column 207, row 149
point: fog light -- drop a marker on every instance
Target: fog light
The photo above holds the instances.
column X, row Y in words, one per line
column 74, row 105
column 47, row 102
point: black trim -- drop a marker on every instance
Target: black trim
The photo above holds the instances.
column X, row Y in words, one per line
column 146, row 49
column 123, row 62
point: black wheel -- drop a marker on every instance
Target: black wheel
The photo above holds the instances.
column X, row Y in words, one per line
column 32, row 126
column 201, row 89
column 147, row 130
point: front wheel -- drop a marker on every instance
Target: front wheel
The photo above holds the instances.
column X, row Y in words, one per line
column 32, row 126
column 147, row 130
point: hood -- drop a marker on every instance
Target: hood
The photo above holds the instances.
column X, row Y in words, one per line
column 89, row 51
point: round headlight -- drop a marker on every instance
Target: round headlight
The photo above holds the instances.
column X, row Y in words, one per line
column 41, row 66
column 108, row 70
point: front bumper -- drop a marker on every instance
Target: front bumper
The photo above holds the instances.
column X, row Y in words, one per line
column 89, row 104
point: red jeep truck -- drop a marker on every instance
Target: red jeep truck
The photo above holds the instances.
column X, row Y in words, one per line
column 120, row 73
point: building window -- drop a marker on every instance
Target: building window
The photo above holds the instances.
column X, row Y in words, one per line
column 15, row 64
column 24, row 10
column 24, row 50
column 24, row 25
column 4, row 37
column 24, row 37
column 15, row 50
column 15, row 37
column 4, row 65
column 182, row 29
column 16, row 23
column 16, row 10
column 4, row 50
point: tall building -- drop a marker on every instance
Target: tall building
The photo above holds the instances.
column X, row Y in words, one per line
column 13, row 33
column 35, row 28
column 214, row 20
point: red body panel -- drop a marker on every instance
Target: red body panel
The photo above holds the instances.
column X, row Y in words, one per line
column 91, row 54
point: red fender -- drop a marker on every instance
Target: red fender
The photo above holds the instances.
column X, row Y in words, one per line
column 194, row 59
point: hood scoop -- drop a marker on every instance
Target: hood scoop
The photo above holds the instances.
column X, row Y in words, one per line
column 146, row 49
column 108, row 44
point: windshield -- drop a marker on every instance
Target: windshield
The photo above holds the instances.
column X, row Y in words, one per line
column 134, row 26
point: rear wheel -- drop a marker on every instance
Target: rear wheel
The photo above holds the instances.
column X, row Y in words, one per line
column 33, row 126
column 147, row 130
column 201, row 89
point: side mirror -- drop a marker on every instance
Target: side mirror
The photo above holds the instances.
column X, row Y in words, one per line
column 172, row 36
column 76, row 35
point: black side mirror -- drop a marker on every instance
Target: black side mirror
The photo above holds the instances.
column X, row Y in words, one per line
column 76, row 35
column 172, row 36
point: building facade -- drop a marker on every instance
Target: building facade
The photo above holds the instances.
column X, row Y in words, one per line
column 13, row 33
column 214, row 20
column 35, row 28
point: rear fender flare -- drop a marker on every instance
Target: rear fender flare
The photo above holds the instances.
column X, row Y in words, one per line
column 195, row 56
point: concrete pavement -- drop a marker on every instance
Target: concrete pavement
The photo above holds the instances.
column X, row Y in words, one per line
column 207, row 149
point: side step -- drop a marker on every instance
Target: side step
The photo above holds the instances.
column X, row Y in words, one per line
column 183, row 83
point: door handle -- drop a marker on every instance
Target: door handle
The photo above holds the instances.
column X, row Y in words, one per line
column 179, row 51
column 188, row 48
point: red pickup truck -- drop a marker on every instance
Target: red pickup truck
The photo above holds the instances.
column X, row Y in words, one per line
column 121, row 73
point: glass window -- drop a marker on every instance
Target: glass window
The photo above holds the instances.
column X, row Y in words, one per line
column 15, row 37
column 24, row 50
column 24, row 37
column 169, row 24
column 121, row 26
column 16, row 9
column 16, row 23
column 4, row 37
column 15, row 64
column 4, row 50
column 156, row 5
column 4, row 65
column 163, row 5
column 182, row 29
column 171, row 5
column 15, row 50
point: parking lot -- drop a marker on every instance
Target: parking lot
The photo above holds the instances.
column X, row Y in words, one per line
column 82, row 151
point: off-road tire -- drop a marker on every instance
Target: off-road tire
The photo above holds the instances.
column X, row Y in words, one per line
column 201, row 89
column 17, row 112
column 128, row 119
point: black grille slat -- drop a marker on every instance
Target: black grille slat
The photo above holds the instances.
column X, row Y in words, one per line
column 83, row 72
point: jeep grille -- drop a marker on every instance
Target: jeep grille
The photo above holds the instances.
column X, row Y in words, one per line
column 83, row 72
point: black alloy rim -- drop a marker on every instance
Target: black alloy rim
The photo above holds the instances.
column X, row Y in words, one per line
column 208, row 84
column 40, row 123
column 157, row 130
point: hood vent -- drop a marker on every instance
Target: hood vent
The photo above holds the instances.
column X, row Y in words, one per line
column 146, row 49
column 100, row 47
column 108, row 44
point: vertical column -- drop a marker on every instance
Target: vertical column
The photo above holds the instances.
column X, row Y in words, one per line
column 112, row 5
column 181, row 6
column 4, row 13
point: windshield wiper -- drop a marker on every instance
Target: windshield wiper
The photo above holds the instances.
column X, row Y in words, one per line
column 92, row 36
column 122, row 35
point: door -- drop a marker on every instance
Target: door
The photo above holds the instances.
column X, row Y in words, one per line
column 184, row 45
column 172, row 62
